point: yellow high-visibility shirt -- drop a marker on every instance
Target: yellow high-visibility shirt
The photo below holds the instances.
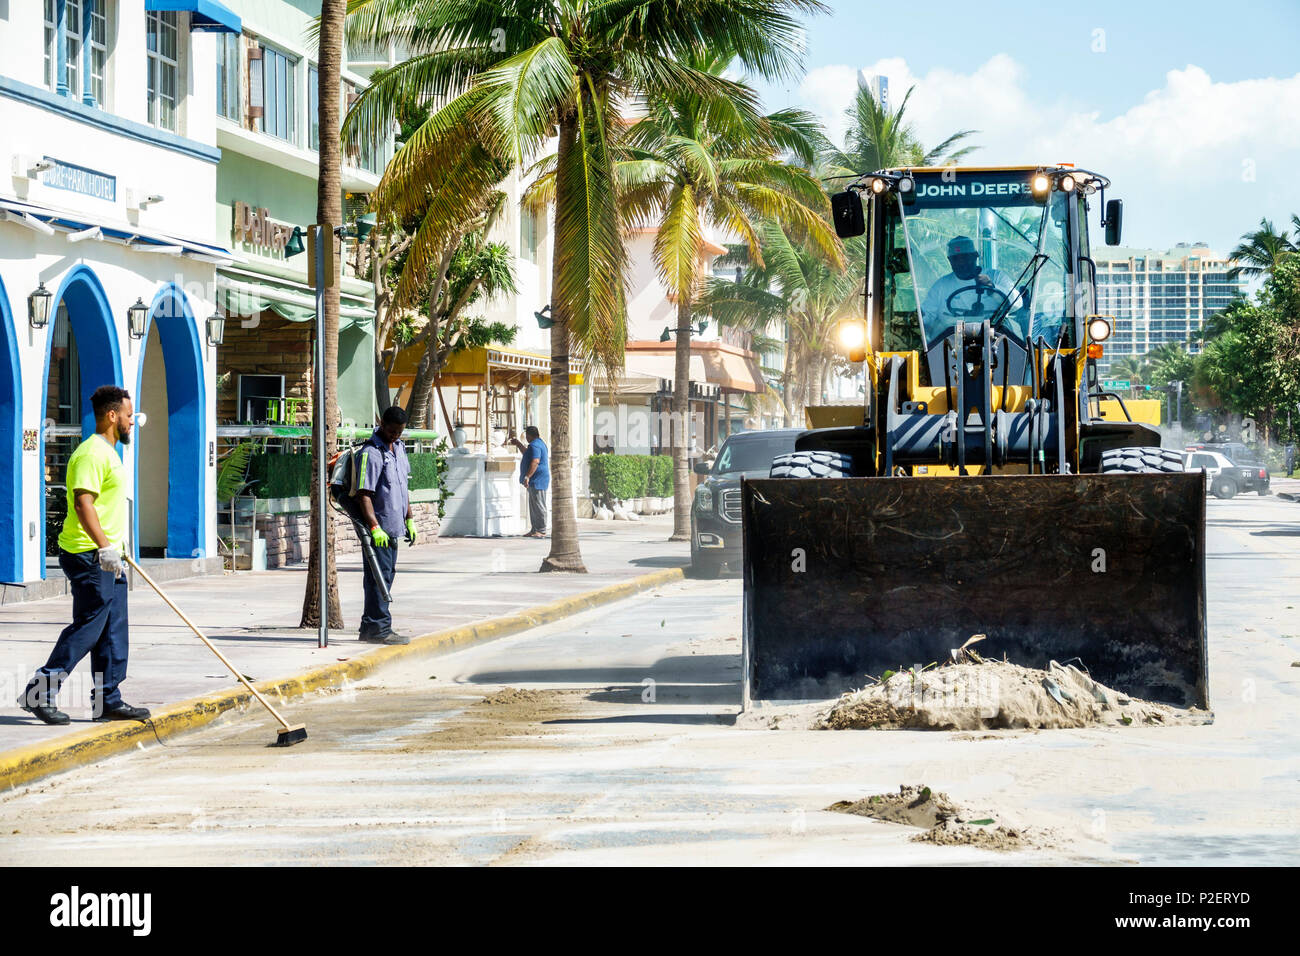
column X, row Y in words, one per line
column 95, row 467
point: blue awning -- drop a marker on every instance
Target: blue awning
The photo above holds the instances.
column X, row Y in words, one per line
column 206, row 16
column 94, row 227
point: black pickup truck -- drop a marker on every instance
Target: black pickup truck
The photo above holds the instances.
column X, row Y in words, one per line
column 715, row 513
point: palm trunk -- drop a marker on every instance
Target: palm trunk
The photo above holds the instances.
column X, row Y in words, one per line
column 681, row 436
column 565, row 553
column 417, row 408
column 805, row 383
column 329, row 209
column 787, row 380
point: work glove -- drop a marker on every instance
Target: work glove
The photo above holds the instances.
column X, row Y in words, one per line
column 110, row 560
column 410, row 531
column 380, row 537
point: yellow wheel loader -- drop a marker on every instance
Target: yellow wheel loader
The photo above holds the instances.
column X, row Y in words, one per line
column 977, row 488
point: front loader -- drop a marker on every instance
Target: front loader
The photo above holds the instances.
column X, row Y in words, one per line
column 977, row 489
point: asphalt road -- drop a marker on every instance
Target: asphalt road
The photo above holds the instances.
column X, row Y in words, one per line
column 619, row 745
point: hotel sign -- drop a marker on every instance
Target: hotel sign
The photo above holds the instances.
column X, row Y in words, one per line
column 79, row 179
column 254, row 227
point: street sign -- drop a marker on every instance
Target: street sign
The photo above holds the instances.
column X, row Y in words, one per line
column 331, row 265
column 1114, row 383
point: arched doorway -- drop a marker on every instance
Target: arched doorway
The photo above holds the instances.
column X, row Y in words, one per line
column 11, row 454
column 81, row 354
column 170, row 448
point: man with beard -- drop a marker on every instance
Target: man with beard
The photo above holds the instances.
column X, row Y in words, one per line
column 91, row 545
column 976, row 285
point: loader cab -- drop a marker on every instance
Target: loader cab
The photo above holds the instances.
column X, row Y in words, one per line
column 972, row 247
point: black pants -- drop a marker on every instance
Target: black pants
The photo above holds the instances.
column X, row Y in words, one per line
column 98, row 628
column 375, row 619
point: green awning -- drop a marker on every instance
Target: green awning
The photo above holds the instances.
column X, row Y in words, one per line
column 240, row 299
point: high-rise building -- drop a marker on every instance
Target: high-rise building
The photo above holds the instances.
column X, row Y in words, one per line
column 878, row 85
column 1158, row 297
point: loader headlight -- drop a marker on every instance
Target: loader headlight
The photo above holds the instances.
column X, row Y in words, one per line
column 878, row 186
column 851, row 335
column 1040, row 186
column 1066, row 183
column 906, row 184
column 1099, row 328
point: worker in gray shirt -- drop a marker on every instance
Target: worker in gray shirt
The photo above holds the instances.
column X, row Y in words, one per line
column 383, row 497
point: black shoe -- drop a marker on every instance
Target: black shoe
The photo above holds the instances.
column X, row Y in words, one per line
column 46, row 713
column 392, row 637
column 124, row 712
column 371, row 638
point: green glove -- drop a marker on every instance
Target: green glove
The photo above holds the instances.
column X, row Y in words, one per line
column 410, row 531
column 380, row 537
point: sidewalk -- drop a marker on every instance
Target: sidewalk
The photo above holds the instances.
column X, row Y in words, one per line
column 1285, row 487
column 252, row 616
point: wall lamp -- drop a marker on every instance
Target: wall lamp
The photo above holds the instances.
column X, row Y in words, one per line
column 38, row 307
column 137, row 319
column 216, row 329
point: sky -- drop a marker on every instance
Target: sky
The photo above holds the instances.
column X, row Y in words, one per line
column 1191, row 108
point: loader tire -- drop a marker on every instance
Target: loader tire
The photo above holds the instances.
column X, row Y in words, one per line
column 1131, row 461
column 812, row 464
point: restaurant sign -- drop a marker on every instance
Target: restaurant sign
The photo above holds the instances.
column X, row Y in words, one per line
column 255, row 228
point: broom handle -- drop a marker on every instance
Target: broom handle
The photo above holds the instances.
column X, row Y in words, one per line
column 234, row 670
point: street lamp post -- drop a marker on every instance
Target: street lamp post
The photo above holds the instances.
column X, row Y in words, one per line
column 323, row 234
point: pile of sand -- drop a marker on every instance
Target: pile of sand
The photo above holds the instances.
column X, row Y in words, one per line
column 512, row 696
column 984, row 694
column 945, row 822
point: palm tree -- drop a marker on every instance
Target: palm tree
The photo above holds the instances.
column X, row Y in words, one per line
column 513, row 75
column 329, row 209
column 1259, row 250
column 880, row 139
column 753, row 304
column 813, row 297
column 695, row 161
column 1130, row 368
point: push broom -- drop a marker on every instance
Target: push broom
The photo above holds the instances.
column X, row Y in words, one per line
column 287, row 736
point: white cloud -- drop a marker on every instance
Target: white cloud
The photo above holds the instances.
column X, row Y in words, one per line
column 1194, row 159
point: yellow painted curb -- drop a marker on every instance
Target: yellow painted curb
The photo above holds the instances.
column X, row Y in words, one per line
column 28, row 764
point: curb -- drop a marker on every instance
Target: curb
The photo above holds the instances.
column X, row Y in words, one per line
column 28, row 764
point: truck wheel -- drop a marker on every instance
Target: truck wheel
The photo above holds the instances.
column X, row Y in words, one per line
column 812, row 464
column 1141, row 461
column 707, row 568
column 1224, row 488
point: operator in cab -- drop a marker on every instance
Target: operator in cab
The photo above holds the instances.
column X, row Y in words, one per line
column 968, row 293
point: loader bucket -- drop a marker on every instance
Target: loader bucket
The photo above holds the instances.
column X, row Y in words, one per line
column 845, row 578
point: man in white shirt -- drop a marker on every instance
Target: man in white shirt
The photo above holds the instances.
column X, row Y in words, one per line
column 941, row 309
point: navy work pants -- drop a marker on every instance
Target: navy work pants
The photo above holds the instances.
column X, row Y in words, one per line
column 375, row 619
column 98, row 628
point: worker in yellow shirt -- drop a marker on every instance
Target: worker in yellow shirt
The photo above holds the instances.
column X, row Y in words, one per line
column 90, row 552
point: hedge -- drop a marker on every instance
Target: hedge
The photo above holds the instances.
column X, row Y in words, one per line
column 290, row 475
column 625, row 477
column 661, row 476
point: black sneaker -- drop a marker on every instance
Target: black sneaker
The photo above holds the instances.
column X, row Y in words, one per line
column 392, row 637
column 46, row 713
column 124, row 712
column 371, row 638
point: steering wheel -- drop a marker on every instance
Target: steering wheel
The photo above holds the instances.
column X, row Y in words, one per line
column 976, row 308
